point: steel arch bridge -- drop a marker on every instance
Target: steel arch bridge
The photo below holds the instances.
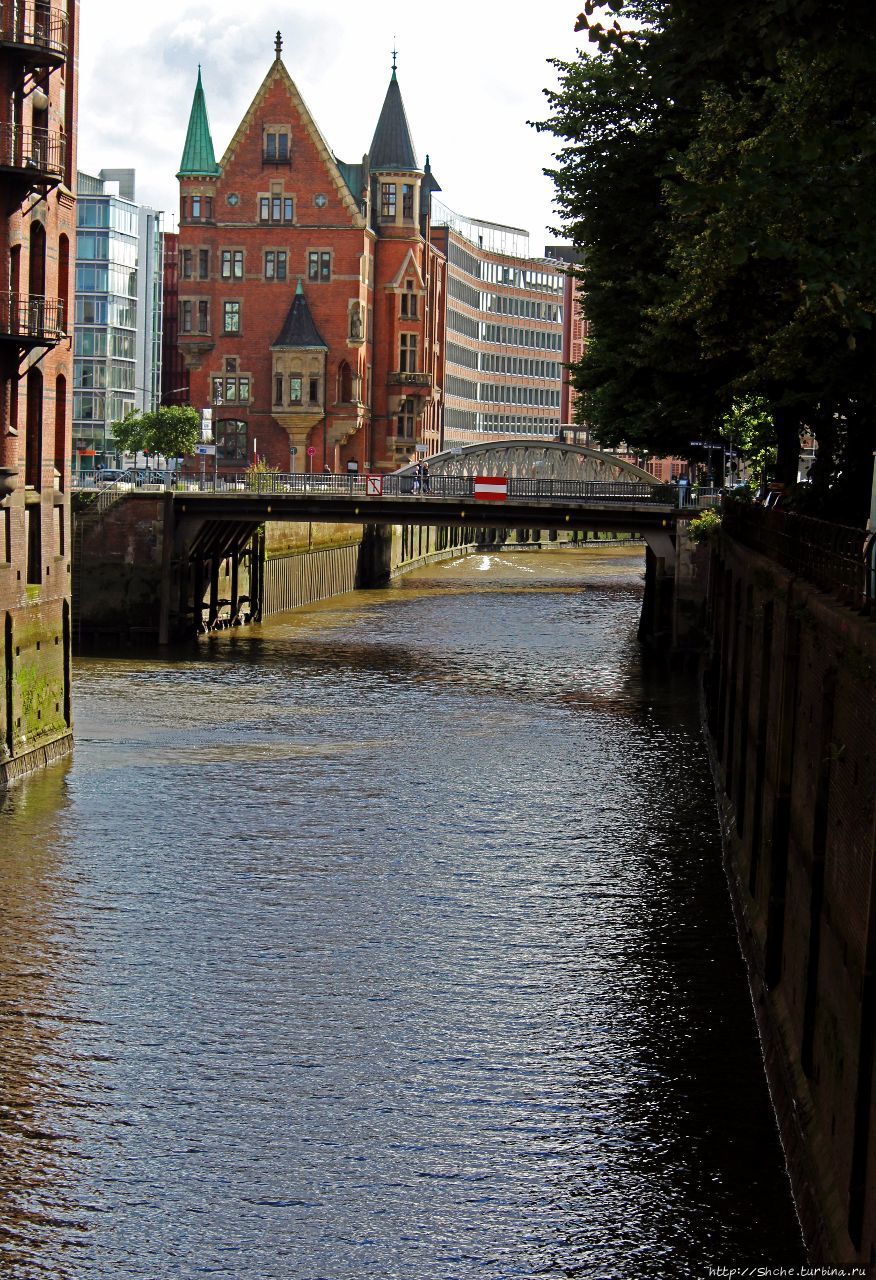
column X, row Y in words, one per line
column 534, row 459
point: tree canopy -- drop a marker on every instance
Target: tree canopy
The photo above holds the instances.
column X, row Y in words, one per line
column 171, row 431
column 716, row 172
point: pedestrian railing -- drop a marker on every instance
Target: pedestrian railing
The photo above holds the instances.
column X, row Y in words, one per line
column 394, row 485
column 838, row 559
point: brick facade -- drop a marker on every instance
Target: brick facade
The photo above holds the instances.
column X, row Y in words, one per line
column 280, row 215
column 37, row 157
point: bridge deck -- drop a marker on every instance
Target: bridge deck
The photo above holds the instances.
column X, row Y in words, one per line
column 447, row 500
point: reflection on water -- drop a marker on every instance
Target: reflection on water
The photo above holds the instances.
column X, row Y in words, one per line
column 388, row 939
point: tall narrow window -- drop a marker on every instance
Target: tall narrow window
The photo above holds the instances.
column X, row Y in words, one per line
column 203, row 264
column 405, row 419
column 34, row 437
column 65, row 320
column 407, row 200
column 407, row 353
column 61, row 427
column 185, row 317
column 409, row 301
column 295, row 388
column 203, row 316
column 345, row 383
column 34, row 516
column 278, row 389
column 231, row 317
column 387, row 200
column 185, row 264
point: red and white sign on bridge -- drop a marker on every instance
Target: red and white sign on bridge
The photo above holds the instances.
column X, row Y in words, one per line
column 491, row 488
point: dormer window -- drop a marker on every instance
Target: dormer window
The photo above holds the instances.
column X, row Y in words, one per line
column 275, row 146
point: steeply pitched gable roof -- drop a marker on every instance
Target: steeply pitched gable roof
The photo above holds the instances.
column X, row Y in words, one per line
column 198, row 158
column 392, row 146
column 278, row 72
column 299, row 329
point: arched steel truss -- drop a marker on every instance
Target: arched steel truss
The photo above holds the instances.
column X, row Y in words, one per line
column 537, row 460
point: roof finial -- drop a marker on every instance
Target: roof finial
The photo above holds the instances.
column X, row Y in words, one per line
column 278, row 45
column 394, row 56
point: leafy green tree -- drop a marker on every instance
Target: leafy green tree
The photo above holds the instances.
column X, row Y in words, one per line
column 171, row 431
column 717, row 174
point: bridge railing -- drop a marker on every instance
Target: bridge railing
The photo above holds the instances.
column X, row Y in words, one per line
column 357, row 484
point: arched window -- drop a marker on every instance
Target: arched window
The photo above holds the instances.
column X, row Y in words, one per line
column 231, row 440
column 345, row 383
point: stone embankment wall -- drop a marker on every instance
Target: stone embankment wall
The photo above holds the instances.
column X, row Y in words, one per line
column 790, row 703
column 308, row 562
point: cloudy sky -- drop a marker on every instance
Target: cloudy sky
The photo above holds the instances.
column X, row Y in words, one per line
column 471, row 72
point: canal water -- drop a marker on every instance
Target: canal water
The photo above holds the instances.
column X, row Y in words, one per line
column 387, row 940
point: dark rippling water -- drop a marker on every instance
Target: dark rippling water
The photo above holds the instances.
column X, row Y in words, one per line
column 387, row 940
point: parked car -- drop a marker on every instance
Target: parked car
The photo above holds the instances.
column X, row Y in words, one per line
column 111, row 476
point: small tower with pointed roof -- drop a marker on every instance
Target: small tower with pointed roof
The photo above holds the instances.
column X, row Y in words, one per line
column 395, row 173
column 198, row 158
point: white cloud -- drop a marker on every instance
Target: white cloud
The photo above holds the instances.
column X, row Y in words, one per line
column 471, row 75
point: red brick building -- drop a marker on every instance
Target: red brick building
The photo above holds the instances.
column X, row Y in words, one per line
column 38, row 81
column 309, row 293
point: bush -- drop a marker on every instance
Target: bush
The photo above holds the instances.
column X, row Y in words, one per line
column 704, row 527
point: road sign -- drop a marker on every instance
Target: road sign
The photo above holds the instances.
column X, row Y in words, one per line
column 311, row 452
column 205, row 450
column 374, row 486
column 293, row 449
column 490, row 488
column 421, row 448
column 456, row 450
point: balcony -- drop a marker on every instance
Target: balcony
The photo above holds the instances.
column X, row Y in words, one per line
column 416, row 384
column 35, row 31
column 30, row 320
column 35, row 156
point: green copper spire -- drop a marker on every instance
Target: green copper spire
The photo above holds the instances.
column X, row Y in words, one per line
column 198, row 159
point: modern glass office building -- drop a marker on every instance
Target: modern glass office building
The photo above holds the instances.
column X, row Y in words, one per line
column 504, row 332
column 118, row 317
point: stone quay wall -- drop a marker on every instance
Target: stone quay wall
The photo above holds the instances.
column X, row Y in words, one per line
column 790, row 708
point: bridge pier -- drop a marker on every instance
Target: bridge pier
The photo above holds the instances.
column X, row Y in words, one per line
column 375, row 555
